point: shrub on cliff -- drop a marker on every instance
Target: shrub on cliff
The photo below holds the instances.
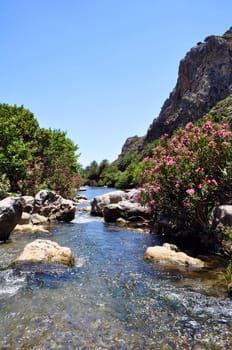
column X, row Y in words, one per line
column 189, row 173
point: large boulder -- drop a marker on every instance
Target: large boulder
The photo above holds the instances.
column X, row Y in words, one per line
column 10, row 214
column 45, row 251
column 99, row 202
column 49, row 204
column 169, row 253
column 127, row 210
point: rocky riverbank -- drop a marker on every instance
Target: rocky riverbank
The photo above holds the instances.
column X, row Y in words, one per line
column 32, row 213
column 123, row 208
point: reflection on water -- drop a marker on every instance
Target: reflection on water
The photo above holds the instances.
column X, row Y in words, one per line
column 111, row 298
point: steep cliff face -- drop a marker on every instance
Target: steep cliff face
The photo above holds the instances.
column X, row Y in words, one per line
column 132, row 145
column 205, row 77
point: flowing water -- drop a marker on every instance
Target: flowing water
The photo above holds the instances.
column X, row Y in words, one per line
column 111, row 298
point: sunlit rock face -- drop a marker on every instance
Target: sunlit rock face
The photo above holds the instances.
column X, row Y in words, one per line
column 205, row 77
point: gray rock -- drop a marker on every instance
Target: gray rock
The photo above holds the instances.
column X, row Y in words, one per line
column 50, row 204
column 99, row 202
column 127, row 210
column 10, row 214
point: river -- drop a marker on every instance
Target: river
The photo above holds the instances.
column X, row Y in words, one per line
column 111, row 298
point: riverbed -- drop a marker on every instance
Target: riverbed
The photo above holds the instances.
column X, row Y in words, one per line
column 111, row 298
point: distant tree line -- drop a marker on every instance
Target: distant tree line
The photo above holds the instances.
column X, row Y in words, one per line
column 122, row 173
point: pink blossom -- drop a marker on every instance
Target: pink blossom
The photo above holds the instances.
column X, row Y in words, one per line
column 207, row 125
column 214, row 182
column 190, row 191
column 200, row 186
column 188, row 125
column 187, row 204
column 170, row 162
column 177, row 185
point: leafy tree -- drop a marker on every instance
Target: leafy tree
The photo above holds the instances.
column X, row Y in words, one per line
column 31, row 157
column 17, row 129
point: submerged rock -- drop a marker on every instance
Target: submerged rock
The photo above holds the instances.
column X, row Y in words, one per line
column 169, row 253
column 45, row 251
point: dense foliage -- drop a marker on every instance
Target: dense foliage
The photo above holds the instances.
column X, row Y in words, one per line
column 189, row 173
column 32, row 158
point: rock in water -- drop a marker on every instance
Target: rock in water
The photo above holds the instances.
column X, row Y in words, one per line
column 169, row 253
column 45, row 251
column 10, row 215
column 49, row 204
column 99, row 202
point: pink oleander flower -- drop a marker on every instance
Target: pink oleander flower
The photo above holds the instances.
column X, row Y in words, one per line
column 186, row 204
column 170, row 162
column 164, row 136
column 188, row 125
column 200, row 186
column 177, row 185
column 190, row 191
column 214, row 182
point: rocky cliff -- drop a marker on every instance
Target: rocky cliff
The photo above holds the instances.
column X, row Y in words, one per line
column 205, row 77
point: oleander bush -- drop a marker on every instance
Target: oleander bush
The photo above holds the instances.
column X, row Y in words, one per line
column 189, row 173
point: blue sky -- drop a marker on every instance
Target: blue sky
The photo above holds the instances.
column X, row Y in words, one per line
column 99, row 69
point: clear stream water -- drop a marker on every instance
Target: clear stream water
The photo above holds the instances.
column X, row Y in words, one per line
column 111, row 298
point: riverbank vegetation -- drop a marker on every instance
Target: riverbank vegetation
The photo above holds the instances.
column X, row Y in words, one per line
column 125, row 172
column 182, row 176
column 32, row 158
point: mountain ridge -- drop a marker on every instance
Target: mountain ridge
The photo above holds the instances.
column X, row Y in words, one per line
column 204, row 79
